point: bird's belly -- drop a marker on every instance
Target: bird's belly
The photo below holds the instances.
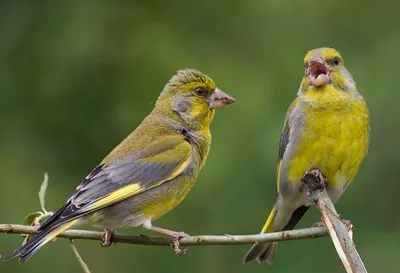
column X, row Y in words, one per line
column 166, row 197
column 333, row 143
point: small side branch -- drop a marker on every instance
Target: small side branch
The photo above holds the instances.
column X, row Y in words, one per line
column 78, row 257
column 314, row 232
column 315, row 183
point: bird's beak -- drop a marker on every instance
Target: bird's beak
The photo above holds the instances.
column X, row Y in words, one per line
column 318, row 72
column 220, row 99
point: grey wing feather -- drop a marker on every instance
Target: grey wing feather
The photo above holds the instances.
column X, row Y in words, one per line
column 286, row 131
column 284, row 140
column 106, row 179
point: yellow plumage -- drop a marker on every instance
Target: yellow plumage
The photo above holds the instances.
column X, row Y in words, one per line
column 326, row 128
column 58, row 230
column 335, row 139
column 150, row 172
column 268, row 224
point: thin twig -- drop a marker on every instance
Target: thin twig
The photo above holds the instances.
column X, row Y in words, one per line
column 314, row 232
column 78, row 257
column 315, row 182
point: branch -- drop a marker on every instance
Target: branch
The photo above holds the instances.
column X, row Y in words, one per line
column 315, row 182
column 314, row 232
column 78, row 257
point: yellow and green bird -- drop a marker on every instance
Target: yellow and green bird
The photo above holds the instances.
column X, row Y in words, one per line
column 150, row 172
column 326, row 128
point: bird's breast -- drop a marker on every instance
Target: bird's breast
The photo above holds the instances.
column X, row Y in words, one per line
column 333, row 141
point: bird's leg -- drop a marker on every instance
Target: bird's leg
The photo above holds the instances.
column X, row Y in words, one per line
column 175, row 239
column 108, row 233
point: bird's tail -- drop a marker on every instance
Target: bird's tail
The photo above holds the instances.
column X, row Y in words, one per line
column 265, row 252
column 33, row 245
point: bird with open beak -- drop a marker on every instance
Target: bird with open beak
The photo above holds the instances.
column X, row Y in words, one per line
column 326, row 128
column 317, row 71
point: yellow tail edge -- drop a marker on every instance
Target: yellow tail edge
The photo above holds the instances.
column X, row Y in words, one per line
column 59, row 230
column 268, row 226
column 263, row 252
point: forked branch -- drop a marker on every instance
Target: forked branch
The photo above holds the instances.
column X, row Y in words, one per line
column 339, row 232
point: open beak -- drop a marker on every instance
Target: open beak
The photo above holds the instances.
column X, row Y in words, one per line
column 220, row 99
column 317, row 72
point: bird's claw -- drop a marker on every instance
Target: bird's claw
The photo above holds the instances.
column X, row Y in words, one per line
column 319, row 181
column 108, row 233
column 348, row 224
column 176, row 236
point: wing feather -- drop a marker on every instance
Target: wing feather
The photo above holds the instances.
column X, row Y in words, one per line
column 114, row 181
column 285, row 138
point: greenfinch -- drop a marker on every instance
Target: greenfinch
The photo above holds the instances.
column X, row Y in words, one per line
column 326, row 128
column 150, row 172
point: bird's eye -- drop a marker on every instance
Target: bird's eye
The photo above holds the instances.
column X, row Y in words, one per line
column 200, row 91
column 336, row 61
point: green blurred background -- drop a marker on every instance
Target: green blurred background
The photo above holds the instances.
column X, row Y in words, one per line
column 76, row 77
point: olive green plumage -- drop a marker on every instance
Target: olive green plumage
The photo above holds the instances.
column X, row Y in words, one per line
column 151, row 171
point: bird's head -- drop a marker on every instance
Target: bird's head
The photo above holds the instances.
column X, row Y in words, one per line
column 324, row 67
column 193, row 96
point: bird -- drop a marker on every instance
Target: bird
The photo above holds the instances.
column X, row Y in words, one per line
column 150, row 172
column 326, row 128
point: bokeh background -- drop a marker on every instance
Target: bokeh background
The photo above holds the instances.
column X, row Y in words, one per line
column 76, row 77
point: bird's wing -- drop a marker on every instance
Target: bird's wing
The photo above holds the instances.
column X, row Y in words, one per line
column 285, row 138
column 128, row 176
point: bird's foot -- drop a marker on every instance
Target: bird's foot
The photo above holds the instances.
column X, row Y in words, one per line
column 108, row 233
column 176, row 236
column 315, row 180
column 175, row 241
column 348, row 224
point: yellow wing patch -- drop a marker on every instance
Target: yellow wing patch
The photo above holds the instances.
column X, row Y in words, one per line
column 134, row 189
column 116, row 196
column 279, row 175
